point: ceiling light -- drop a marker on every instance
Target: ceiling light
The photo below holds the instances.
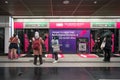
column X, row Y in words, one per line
column 95, row 2
column 66, row 2
column 6, row 2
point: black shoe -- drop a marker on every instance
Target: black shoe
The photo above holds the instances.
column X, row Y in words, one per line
column 34, row 63
column 41, row 62
column 40, row 59
column 35, row 60
column 108, row 61
column 20, row 73
column 104, row 60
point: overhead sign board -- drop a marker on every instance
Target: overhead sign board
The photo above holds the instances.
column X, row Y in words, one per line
column 103, row 25
column 36, row 25
column 70, row 25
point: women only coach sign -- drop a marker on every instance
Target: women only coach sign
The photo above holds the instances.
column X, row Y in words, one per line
column 67, row 25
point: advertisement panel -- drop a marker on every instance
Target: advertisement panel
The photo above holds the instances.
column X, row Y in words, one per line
column 67, row 39
column 82, row 45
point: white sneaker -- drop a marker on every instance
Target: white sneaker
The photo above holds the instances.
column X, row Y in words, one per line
column 55, row 61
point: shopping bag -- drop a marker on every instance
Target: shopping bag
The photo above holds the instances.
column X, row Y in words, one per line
column 103, row 45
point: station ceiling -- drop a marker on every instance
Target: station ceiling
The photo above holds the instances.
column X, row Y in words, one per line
column 60, row 7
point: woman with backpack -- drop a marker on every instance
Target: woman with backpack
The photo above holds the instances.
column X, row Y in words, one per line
column 37, row 42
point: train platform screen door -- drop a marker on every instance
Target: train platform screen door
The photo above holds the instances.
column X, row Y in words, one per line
column 1, row 40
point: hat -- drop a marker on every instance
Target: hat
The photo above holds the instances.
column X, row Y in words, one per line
column 36, row 35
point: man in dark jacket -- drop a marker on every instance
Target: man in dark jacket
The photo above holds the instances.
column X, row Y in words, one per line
column 107, row 48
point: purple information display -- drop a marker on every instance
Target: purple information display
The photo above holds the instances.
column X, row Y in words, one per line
column 67, row 39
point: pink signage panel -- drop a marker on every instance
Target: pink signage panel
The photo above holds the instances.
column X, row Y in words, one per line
column 70, row 25
column 118, row 25
column 18, row 25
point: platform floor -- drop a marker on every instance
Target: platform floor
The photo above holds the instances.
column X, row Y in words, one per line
column 71, row 67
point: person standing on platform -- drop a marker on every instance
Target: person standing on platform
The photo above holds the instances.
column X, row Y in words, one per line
column 26, row 43
column 37, row 42
column 107, row 49
column 13, row 47
column 46, row 43
column 18, row 50
column 56, row 48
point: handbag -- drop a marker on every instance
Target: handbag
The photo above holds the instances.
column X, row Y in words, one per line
column 103, row 45
column 56, row 48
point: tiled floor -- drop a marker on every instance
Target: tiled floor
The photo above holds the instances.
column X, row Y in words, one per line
column 59, row 73
column 71, row 67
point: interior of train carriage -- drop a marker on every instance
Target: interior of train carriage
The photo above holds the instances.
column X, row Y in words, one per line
column 26, row 35
column 97, row 36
